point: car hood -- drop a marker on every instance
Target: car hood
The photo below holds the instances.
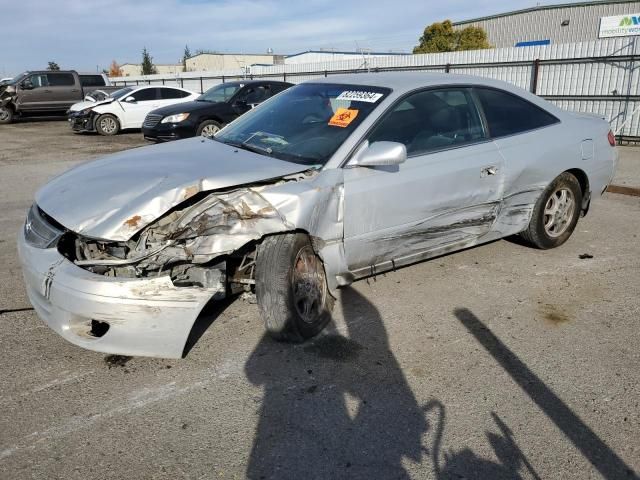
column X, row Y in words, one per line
column 187, row 107
column 114, row 197
column 76, row 107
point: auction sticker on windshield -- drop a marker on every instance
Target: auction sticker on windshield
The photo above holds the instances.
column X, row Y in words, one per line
column 343, row 117
column 359, row 96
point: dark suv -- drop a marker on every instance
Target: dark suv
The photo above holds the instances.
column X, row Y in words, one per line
column 210, row 112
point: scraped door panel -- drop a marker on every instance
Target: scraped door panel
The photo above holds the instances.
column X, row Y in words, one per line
column 393, row 216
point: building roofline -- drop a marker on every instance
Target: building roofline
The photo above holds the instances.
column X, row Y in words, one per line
column 233, row 54
column 543, row 7
column 345, row 53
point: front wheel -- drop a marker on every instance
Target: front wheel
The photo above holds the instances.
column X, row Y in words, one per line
column 6, row 114
column 291, row 288
column 208, row 128
column 556, row 213
column 107, row 124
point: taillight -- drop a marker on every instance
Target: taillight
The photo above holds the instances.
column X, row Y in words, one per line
column 612, row 138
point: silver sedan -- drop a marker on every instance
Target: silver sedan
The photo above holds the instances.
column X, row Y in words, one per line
column 328, row 182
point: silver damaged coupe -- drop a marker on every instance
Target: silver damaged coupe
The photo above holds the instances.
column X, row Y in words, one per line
column 328, row 182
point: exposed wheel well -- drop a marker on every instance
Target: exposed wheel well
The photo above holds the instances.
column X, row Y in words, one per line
column 583, row 180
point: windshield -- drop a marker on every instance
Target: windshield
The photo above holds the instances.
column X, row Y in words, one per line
column 121, row 93
column 220, row 93
column 15, row 79
column 306, row 123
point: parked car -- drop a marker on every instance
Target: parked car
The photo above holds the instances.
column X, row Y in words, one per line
column 125, row 108
column 39, row 92
column 334, row 180
column 207, row 114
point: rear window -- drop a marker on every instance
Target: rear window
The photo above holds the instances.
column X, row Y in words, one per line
column 171, row 93
column 508, row 114
column 92, row 81
column 61, row 79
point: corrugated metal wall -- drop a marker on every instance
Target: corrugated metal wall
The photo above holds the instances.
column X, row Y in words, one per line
column 600, row 77
column 545, row 23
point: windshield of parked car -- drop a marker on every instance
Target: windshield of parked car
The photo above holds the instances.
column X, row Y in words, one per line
column 121, row 93
column 14, row 80
column 220, row 93
column 306, row 123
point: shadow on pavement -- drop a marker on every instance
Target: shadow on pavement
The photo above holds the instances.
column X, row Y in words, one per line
column 340, row 407
column 605, row 460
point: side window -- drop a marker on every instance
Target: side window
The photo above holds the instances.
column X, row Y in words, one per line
column 254, row 95
column 431, row 120
column 172, row 93
column 145, row 94
column 39, row 80
column 92, row 81
column 277, row 88
column 508, row 114
column 61, row 79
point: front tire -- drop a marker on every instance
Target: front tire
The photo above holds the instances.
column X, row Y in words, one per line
column 291, row 288
column 107, row 124
column 208, row 128
column 556, row 213
column 6, row 115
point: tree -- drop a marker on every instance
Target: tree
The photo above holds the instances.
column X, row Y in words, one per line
column 187, row 54
column 114, row 69
column 53, row 66
column 441, row 37
column 148, row 68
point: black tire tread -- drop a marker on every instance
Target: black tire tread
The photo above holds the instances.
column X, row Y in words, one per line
column 273, row 264
column 535, row 234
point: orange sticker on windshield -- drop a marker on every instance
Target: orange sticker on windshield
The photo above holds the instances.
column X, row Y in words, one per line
column 343, row 117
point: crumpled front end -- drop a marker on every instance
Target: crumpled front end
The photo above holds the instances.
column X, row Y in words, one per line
column 82, row 121
column 141, row 296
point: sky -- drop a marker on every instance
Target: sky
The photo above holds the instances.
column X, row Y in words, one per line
column 86, row 35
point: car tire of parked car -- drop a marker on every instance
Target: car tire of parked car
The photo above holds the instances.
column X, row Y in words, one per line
column 208, row 128
column 556, row 213
column 291, row 288
column 6, row 115
column 107, row 124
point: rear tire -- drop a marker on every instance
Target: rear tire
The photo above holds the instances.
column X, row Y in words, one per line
column 208, row 128
column 291, row 288
column 555, row 214
column 6, row 115
column 107, row 124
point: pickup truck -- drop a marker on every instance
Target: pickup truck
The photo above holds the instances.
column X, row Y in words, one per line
column 38, row 92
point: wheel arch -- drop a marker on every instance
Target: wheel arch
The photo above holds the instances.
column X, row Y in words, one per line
column 583, row 180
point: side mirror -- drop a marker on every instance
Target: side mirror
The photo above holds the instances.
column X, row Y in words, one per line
column 27, row 85
column 380, row 154
column 130, row 100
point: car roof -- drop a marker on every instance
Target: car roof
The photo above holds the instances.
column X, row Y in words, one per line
column 406, row 81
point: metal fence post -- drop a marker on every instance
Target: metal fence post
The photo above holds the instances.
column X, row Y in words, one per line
column 284, row 77
column 201, row 87
column 182, row 82
column 534, row 75
column 447, row 68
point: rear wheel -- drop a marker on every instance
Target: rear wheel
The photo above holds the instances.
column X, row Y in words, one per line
column 208, row 128
column 291, row 288
column 107, row 124
column 6, row 114
column 556, row 213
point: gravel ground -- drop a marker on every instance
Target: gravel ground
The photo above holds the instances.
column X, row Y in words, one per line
column 496, row 362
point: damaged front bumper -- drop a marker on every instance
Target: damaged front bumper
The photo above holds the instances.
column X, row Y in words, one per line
column 136, row 316
column 81, row 122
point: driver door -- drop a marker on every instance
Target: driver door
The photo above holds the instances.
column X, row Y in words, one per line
column 145, row 100
column 445, row 195
column 37, row 98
